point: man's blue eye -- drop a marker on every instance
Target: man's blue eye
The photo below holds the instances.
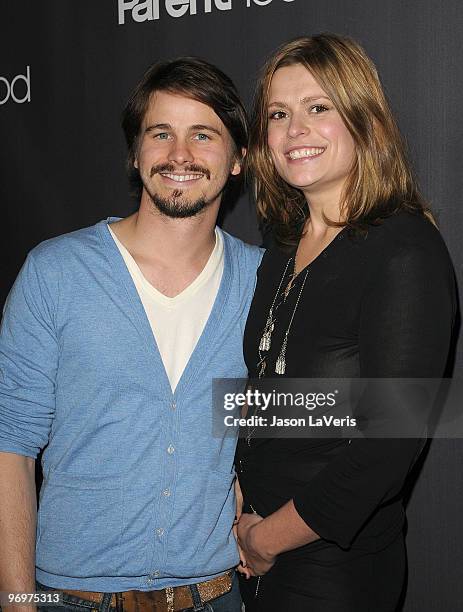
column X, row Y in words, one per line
column 162, row 136
column 202, row 136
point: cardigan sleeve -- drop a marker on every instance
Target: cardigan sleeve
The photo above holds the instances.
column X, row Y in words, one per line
column 28, row 361
column 405, row 331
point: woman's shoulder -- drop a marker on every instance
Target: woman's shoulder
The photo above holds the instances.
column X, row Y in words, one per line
column 406, row 232
column 408, row 246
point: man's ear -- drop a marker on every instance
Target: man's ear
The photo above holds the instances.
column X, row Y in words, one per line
column 135, row 163
column 238, row 163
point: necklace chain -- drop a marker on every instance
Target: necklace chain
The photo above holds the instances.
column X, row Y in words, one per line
column 265, row 341
column 280, row 366
column 266, row 338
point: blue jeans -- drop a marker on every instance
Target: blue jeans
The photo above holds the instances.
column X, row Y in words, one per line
column 230, row 602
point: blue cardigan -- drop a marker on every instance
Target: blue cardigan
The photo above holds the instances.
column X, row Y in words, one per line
column 137, row 493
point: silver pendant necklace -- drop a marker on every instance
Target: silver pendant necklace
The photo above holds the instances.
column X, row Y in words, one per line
column 280, row 366
column 266, row 338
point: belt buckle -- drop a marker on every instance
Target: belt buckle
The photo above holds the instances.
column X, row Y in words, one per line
column 170, row 599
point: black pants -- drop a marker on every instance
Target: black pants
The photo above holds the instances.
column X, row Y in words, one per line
column 326, row 579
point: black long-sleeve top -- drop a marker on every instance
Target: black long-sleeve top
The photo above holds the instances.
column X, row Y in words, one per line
column 379, row 305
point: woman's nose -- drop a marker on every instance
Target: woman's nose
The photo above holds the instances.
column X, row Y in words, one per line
column 298, row 125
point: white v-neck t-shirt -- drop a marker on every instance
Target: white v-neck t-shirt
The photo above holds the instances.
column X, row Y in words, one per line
column 178, row 322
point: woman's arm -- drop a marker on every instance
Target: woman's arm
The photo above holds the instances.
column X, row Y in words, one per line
column 264, row 539
column 405, row 331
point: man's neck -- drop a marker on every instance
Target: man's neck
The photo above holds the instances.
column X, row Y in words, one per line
column 171, row 253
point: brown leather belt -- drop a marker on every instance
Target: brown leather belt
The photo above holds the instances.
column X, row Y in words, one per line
column 171, row 599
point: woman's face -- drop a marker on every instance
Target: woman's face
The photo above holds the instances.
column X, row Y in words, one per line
column 311, row 147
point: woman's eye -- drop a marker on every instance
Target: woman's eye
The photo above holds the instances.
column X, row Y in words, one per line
column 318, row 108
column 277, row 115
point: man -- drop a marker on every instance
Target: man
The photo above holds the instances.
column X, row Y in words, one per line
column 110, row 340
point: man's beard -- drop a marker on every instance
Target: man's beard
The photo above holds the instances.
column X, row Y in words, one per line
column 175, row 206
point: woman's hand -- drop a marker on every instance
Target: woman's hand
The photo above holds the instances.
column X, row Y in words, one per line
column 256, row 563
column 242, row 569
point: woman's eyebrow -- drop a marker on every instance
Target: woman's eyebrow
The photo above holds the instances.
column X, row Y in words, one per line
column 304, row 100
column 276, row 103
column 313, row 98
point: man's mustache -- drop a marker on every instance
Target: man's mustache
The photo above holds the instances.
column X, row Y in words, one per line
column 192, row 168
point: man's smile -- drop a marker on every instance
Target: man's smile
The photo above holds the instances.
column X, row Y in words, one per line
column 182, row 178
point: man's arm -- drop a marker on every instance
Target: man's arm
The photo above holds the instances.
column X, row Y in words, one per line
column 28, row 367
column 18, row 513
column 18, row 517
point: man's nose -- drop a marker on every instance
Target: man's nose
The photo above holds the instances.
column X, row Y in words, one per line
column 180, row 152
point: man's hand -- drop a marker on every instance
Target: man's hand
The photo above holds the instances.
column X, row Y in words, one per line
column 256, row 561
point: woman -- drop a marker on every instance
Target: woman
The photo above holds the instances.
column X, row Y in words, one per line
column 359, row 285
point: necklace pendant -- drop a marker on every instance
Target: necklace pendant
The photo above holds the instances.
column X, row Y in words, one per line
column 280, row 366
column 265, row 341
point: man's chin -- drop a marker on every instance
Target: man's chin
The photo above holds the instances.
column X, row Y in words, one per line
column 178, row 207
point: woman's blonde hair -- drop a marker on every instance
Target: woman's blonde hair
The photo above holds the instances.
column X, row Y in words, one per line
column 380, row 182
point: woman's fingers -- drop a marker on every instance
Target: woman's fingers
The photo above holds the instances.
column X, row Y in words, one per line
column 239, row 500
column 240, row 550
column 245, row 571
column 242, row 556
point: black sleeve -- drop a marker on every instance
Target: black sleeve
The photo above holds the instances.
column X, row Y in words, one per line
column 405, row 331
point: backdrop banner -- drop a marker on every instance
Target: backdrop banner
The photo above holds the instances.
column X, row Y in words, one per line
column 66, row 70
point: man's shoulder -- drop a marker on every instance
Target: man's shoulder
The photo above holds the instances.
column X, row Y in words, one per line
column 65, row 246
column 248, row 256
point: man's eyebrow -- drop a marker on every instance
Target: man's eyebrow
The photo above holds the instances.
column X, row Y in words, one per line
column 158, row 126
column 209, row 128
column 192, row 128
